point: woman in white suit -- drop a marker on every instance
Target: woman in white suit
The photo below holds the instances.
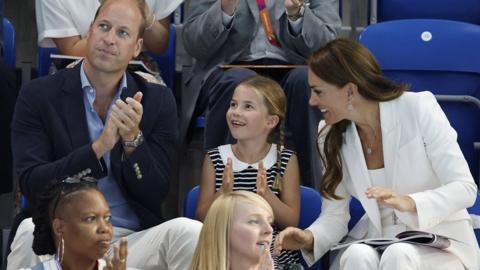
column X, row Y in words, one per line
column 397, row 154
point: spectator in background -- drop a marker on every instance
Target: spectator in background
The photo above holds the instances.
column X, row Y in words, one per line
column 232, row 32
column 64, row 24
column 98, row 120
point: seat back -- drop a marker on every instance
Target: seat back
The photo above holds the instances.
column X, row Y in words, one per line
column 190, row 203
column 439, row 56
column 458, row 10
column 8, row 50
column 166, row 61
column 44, row 61
column 310, row 206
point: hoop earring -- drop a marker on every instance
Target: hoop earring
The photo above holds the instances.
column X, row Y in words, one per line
column 60, row 250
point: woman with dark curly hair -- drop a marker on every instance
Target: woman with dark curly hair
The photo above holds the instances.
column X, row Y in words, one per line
column 73, row 224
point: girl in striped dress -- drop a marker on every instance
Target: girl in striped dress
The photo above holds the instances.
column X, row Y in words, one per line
column 257, row 162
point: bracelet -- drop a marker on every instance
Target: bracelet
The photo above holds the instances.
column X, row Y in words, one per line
column 151, row 24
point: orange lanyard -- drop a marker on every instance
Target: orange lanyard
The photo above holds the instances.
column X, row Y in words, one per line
column 267, row 23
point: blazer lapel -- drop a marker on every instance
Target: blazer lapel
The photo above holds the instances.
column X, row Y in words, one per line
column 253, row 6
column 357, row 167
column 279, row 8
column 391, row 134
column 74, row 109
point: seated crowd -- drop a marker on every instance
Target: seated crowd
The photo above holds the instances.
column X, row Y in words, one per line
column 93, row 146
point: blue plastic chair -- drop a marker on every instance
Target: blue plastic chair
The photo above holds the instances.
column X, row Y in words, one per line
column 310, row 205
column 166, row 61
column 190, row 203
column 44, row 61
column 458, row 10
column 8, row 51
column 440, row 56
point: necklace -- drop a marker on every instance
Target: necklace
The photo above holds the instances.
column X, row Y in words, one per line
column 370, row 143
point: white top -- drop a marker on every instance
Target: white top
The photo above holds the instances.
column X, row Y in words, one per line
column 67, row 18
column 237, row 165
column 391, row 225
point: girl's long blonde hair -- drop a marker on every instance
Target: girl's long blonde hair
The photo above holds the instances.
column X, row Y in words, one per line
column 213, row 246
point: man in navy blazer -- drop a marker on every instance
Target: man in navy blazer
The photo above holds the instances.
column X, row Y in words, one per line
column 98, row 120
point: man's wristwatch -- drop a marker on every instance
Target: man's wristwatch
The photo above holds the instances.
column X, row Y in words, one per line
column 135, row 142
column 300, row 13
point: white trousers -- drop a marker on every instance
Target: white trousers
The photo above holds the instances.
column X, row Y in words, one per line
column 398, row 256
column 169, row 245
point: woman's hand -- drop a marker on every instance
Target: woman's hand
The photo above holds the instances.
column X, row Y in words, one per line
column 391, row 199
column 120, row 252
column 227, row 178
column 293, row 239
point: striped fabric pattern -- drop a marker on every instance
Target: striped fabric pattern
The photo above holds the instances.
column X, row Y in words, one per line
column 246, row 180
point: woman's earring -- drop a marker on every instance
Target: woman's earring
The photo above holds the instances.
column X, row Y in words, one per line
column 60, row 250
column 349, row 105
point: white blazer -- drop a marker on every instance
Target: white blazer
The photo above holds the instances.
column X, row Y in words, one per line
column 422, row 159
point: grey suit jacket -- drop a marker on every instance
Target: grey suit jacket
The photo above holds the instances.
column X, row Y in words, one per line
column 211, row 44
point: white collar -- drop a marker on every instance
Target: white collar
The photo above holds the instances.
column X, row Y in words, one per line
column 268, row 161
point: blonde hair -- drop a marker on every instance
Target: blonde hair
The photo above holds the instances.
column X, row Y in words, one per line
column 275, row 100
column 213, row 246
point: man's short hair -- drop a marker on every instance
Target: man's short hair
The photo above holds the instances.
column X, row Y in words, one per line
column 141, row 8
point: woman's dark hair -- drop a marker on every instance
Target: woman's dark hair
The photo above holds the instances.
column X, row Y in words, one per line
column 54, row 197
column 344, row 61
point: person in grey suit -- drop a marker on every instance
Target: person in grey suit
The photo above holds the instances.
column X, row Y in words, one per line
column 232, row 32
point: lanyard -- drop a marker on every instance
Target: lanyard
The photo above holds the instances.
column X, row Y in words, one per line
column 267, row 23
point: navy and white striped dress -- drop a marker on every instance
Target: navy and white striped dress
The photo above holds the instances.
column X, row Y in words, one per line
column 245, row 178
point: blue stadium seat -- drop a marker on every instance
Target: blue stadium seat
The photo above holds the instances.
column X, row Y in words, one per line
column 311, row 205
column 44, row 61
column 190, row 203
column 166, row 61
column 440, row 56
column 8, row 50
column 458, row 10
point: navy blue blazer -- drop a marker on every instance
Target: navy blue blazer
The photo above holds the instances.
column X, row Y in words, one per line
column 50, row 140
